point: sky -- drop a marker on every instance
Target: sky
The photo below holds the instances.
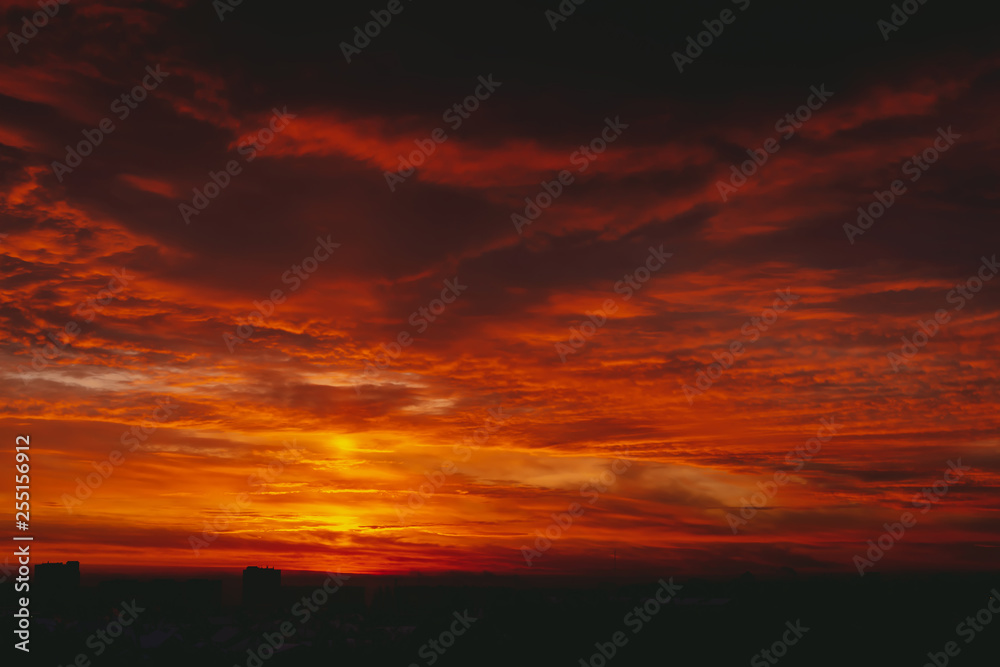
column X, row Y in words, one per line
column 239, row 329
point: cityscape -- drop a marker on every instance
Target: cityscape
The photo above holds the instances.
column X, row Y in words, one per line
column 568, row 333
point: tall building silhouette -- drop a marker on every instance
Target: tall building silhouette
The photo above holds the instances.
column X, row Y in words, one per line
column 64, row 576
column 57, row 582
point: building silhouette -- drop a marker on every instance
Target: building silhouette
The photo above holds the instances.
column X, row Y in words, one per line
column 57, row 583
column 168, row 595
column 58, row 576
column 261, row 585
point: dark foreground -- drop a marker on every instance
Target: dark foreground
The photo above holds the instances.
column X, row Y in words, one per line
column 874, row 620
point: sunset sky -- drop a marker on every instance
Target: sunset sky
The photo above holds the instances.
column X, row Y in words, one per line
column 357, row 254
